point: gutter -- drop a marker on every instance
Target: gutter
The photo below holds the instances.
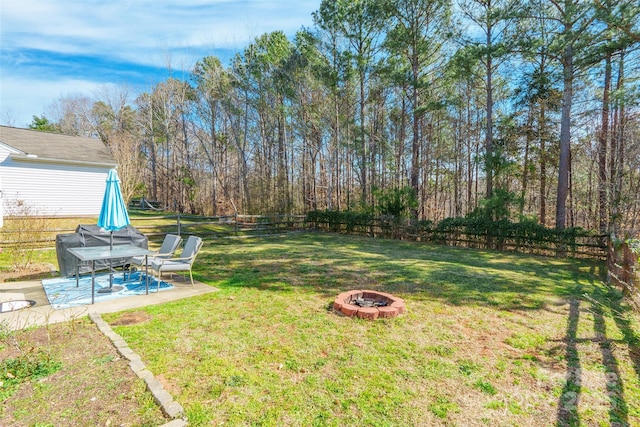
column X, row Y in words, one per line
column 33, row 158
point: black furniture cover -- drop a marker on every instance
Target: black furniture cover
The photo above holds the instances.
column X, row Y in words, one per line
column 92, row 235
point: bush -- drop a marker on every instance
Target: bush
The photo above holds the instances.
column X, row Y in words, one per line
column 334, row 220
column 475, row 230
column 396, row 202
column 27, row 229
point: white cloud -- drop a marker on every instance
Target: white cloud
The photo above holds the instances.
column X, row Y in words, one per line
column 48, row 46
column 128, row 27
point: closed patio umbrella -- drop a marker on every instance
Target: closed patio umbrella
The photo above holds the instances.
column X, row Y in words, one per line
column 113, row 214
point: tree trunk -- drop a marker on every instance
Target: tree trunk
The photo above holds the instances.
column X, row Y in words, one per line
column 415, row 144
column 400, row 147
column 542, row 131
column 365, row 148
column 617, row 151
column 565, row 137
column 525, row 166
column 603, row 139
column 489, row 136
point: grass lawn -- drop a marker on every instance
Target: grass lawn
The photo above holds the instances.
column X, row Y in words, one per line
column 487, row 338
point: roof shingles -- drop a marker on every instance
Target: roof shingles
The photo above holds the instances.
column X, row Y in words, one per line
column 56, row 146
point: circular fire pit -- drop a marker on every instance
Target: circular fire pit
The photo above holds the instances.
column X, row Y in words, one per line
column 368, row 304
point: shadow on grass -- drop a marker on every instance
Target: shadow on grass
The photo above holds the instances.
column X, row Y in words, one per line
column 613, row 302
column 570, row 397
column 325, row 265
column 604, row 302
column 630, row 337
column 618, row 410
column 329, row 264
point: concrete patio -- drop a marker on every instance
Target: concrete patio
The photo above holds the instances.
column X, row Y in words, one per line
column 42, row 313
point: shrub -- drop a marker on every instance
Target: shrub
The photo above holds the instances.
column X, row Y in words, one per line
column 27, row 230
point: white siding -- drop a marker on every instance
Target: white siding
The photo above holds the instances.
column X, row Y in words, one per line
column 1, row 204
column 52, row 188
column 4, row 152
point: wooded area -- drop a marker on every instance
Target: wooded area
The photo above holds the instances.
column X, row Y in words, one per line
column 425, row 109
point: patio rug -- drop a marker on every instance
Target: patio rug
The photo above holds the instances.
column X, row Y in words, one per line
column 63, row 293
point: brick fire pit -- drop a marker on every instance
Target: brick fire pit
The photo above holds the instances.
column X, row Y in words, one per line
column 368, row 304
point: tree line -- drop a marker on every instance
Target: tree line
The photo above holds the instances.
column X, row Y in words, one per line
column 523, row 109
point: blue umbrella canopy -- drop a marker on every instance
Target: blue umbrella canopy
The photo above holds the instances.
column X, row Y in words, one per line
column 113, row 215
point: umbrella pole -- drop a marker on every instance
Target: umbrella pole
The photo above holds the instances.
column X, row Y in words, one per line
column 110, row 289
column 110, row 261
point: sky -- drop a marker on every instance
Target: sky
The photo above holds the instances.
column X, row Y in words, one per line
column 55, row 48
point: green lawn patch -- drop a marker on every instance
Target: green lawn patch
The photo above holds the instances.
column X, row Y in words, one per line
column 488, row 338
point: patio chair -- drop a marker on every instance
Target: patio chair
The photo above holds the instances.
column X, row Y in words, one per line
column 169, row 246
column 182, row 263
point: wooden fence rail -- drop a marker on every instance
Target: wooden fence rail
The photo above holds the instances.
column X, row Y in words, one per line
column 155, row 227
column 622, row 261
column 578, row 246
column 622, row 271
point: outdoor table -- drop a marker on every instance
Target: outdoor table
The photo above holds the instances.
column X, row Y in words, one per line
column 94, row 253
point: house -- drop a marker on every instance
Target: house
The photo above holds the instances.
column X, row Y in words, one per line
column 52, row 174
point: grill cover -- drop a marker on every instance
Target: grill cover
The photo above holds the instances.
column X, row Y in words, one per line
column 92, row 235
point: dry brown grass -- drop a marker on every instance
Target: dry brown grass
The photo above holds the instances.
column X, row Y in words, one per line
column 94, row 385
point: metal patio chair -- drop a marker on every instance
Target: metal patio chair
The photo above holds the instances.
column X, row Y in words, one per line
column 169, row 246
column 183, row 263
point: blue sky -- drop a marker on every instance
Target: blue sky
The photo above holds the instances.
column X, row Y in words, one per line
column 55, row 48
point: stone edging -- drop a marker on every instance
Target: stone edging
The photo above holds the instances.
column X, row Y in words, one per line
column 343, row 304
column 170, row 407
